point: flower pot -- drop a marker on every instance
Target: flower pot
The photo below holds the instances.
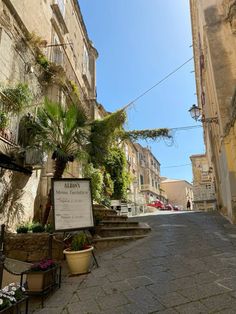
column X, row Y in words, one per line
column 78, row 261
column 41, row 280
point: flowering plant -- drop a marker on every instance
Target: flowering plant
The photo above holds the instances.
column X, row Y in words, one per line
column 10, row 295
column 43, row 265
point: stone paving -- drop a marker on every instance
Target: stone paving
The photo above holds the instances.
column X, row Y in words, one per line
column 186, row 265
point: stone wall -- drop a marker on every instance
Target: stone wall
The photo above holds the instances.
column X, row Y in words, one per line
column 32, row 247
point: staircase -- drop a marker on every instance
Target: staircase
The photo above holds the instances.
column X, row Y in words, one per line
column 113, row 230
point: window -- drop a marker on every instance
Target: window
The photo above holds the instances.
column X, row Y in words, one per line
column 85, row 61
column 61, row 4
column 141, row 180
column 57, row 53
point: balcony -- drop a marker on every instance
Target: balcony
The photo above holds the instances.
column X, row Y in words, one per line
column 150, row 188
column 142, row 163
column 8, row 136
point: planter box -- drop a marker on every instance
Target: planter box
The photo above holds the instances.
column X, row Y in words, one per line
column 40, row 283
column 41, row 280
column 20, row 307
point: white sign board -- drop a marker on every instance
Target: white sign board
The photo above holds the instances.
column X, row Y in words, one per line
column 72, row 204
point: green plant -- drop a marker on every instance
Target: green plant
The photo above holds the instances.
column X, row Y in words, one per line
column 23, row 228
column 3, row 120
column 79, row 242
column 116, row 165
column 36, row 41
column 37, row 227
column 74, row 88
column 152, row 134
column 98, row 218
column 48, row 228
column 16, row 98
column 96, row 181
column 104, row 133
column 43, row 61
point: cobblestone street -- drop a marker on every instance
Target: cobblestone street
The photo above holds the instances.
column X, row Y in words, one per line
column 186, row 265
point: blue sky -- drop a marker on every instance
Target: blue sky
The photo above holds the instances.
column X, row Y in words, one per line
column 140, row 42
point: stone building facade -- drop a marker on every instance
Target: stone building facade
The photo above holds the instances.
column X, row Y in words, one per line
column 56, row 29
column 148, row 174
column 214, row 45
column 179, row 192
column 203, row 184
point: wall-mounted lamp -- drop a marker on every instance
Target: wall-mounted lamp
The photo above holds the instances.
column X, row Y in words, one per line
column 196, row 114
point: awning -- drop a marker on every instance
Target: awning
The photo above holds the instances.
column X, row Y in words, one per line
column 7, row 163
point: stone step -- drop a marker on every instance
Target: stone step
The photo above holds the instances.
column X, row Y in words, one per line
column 117, row 223
column 123, row 231
column 110, row 242
column 104, row 212
column 116, row 218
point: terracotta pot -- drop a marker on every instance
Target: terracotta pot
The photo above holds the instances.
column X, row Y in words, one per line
column 78, row 261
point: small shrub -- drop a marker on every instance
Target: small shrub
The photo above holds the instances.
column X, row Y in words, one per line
column 79, row 242
column 22, row 228
column 16, row 98
column 37, row 227
column 43, row 61
column 48, row 228
column 98, row 218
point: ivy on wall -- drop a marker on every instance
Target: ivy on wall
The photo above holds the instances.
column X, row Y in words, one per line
column 116, row 165
column 103, row 135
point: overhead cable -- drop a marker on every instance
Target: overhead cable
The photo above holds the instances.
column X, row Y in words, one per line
column 159, row 82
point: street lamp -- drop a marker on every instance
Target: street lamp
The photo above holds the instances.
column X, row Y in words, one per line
column 195, row 113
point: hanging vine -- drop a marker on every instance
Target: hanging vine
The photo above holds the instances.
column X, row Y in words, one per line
column 103, row 135
column 152, row 134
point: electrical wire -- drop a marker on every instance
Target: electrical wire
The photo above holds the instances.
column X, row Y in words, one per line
column 184, row 128
column 159, row 82
column 177, row 166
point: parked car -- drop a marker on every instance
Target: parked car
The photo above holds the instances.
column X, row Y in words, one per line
column 175, row 207
column 157, row 204
column 169, row 207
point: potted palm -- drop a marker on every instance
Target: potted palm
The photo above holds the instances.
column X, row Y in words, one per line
column 78, row 254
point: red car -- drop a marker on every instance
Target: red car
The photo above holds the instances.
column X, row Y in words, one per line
column 157, row 204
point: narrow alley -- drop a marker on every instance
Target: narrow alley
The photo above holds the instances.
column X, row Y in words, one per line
column 186, row 265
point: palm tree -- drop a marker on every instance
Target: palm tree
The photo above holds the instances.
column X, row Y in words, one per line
column 62, row 131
